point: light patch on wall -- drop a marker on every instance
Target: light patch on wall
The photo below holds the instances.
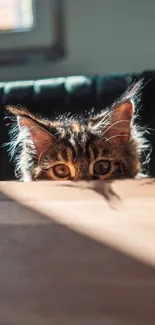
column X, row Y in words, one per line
column 16, row 15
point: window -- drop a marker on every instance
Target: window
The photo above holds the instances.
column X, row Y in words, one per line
column 16, row 15
column 30, row 30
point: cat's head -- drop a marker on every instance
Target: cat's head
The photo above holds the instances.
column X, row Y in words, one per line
column 105, row 146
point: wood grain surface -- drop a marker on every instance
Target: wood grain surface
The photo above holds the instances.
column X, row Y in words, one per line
column 77, row 253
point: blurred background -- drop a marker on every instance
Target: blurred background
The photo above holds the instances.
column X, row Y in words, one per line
column 93, row 37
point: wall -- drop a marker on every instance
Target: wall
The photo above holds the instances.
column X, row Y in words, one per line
column 103, row 36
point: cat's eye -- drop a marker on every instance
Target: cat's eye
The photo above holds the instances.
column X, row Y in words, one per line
column 102, row 167
column 61, row 171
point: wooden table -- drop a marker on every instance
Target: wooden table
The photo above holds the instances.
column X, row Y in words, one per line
column 70, row 255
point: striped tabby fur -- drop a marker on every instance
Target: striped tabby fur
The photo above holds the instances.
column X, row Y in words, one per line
column 106, row 146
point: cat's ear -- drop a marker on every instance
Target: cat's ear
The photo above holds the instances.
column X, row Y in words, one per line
column 119, row 128
column 115, row 124
column 42, row 139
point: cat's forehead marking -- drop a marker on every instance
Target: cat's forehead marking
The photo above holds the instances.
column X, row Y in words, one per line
column 60, row 156
column 72, row 140
column 77, row 135
column 69, row 152
column 75, row 127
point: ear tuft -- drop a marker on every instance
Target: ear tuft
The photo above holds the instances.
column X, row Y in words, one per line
column 133, row 91
column 116, row 123
column 36, row 127
column 18, row 111
column 41, row 138
column 120, row 124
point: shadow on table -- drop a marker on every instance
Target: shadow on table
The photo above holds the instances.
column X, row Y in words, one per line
column 104, row 189
column 52, row 275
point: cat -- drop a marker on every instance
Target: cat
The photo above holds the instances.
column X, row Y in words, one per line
column 105, row 146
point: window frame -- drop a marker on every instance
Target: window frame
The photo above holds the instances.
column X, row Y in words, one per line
column 42, row 42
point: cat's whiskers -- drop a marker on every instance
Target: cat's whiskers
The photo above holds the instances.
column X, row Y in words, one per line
column 112, row 125
column 105, row 121
column 115, row 136
column 106, row 118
